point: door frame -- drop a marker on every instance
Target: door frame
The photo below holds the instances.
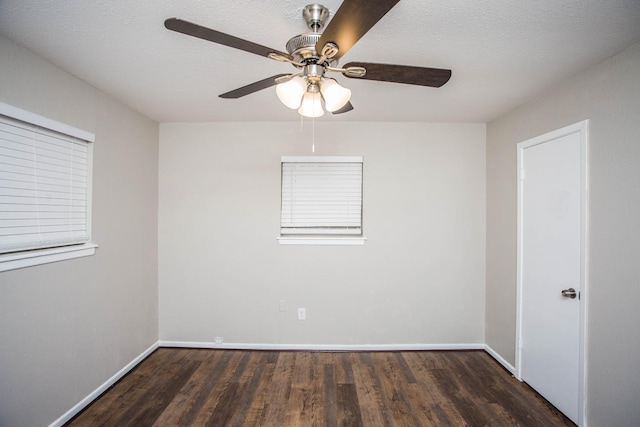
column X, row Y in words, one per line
column 582, row 129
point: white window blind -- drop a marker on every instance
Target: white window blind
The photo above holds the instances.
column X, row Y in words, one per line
column 321, row 196
column 43, row 187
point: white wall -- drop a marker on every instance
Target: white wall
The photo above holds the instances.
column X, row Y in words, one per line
column 67, row 327
column 609, row 96
column 419, row 278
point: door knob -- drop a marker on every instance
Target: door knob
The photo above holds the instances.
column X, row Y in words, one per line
column 569, row 293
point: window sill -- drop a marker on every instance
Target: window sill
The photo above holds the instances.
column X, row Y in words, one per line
column 336, row 241
column 14, row 261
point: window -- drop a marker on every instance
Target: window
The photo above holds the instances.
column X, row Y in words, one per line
column 321, row 200
column 45, row 190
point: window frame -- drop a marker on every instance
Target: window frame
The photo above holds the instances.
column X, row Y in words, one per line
column 29, row 258
column 322, row 238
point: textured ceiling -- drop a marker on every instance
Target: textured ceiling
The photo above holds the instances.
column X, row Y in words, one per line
column 501, row 52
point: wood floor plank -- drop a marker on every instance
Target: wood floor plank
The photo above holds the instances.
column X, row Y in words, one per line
column 404, row 367
column 392, row 385
column 226, row 408
column 454, row 408
column 185, row 387
column 251, row 379
column 448, row 381
column 436, row 405
column 348, row 410
column 428, row 412
column 189, row 400
column 208, row 402
column 330, row 395
column 256, row 411
column 194, row 395
column 372, row 406
column 483, row 389
column 475, row 390
column 344, row 367
column 118, row 397
column 305, row 401
column 527, row 408
column 316, row 394
column 157, row 396
column 275, row 407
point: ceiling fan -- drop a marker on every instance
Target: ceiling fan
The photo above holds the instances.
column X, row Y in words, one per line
column 315, row 54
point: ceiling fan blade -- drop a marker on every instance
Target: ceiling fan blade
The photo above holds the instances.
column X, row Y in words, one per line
column 352, row 20
column 251, row 88
column 421, row 76
column 195, row 30
column 347, row 107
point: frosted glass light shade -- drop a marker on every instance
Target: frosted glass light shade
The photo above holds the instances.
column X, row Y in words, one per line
column 311, row 105
column 335, row 96
column 290, row 93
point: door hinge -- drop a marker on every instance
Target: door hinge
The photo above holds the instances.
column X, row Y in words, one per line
column 522, row 174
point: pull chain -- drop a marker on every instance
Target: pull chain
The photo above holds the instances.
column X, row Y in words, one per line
column 313, row 132
column 313, row 138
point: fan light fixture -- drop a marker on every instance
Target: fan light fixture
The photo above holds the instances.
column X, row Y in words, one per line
column 311, row 105
column 298, row 93
column 335, row 96
column 291, row 92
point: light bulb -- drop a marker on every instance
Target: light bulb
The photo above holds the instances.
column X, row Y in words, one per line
column 290, row 93
column 311, row 105
column 335, row 96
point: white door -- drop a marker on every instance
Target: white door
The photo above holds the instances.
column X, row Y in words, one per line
column 551, row 265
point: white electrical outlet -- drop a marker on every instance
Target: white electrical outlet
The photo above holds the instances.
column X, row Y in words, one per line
column 302, row 313
column 283, row 305
column 219, row 340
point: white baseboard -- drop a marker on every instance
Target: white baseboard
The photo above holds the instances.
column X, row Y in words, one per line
column 97, row 392
column 321, row 347
column 508, row 366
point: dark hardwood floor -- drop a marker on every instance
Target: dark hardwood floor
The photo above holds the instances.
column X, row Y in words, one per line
column 197, row 387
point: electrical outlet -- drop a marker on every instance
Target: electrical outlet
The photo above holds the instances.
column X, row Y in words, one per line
column 283, row 305
column 219, row 340
column 302, row 313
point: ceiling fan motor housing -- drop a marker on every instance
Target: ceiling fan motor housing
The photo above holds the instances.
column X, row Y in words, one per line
column 303, row 47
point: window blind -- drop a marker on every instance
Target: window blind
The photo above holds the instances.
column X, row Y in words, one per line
column 43, row 187
column 321, row 196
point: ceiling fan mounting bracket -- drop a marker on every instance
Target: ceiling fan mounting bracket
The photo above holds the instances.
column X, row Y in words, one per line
column 315, row 15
